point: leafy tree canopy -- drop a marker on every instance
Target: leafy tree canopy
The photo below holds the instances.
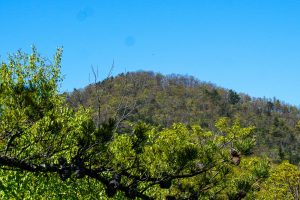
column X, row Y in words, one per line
column 45, row 140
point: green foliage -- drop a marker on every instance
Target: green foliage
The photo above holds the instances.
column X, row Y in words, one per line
column 70, row 156
column 24, row 185
column 49, row 150
column 283, row 183
column 163, row 100
column 233, row 97
column 37, row 127
column 35, row 121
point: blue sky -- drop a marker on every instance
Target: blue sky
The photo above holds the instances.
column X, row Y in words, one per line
column 251, row 46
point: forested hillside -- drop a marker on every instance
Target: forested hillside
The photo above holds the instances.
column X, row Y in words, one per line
column 140, row 136
column 163, row 100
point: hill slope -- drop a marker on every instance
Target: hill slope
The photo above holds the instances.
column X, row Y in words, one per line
column 163, row 100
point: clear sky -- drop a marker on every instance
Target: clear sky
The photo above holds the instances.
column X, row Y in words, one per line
column 251, row 46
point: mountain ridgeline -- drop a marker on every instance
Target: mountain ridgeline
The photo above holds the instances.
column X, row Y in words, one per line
column 163, row 100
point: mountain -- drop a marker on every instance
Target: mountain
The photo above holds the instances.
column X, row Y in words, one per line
column 163, row 100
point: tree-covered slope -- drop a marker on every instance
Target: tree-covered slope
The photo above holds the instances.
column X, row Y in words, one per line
column 163, row 100
column 104, row 150
column 49, row 150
